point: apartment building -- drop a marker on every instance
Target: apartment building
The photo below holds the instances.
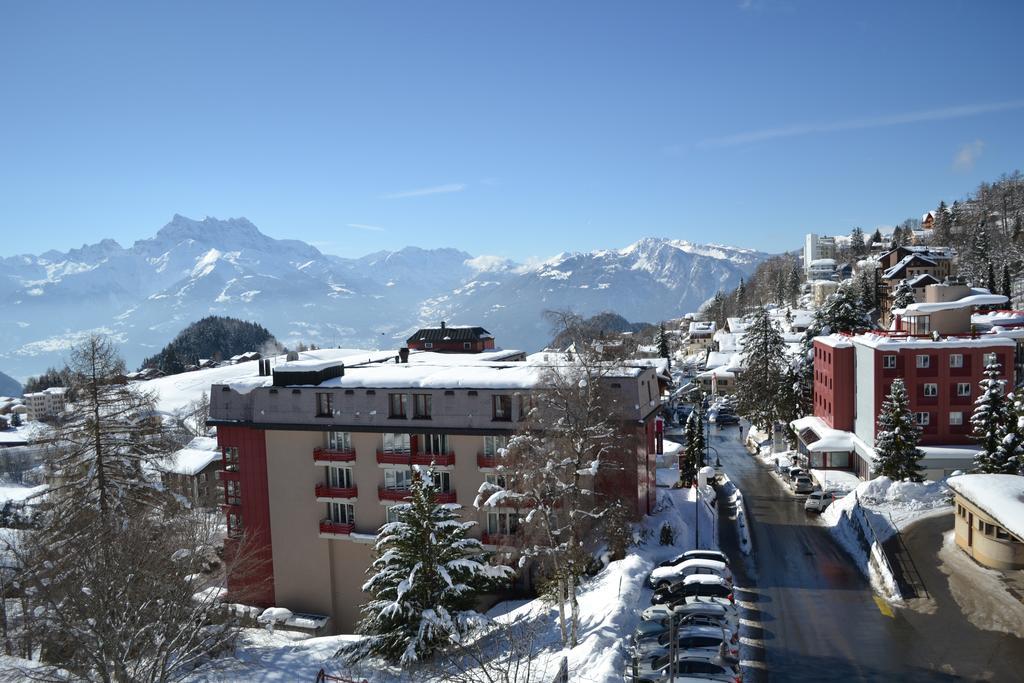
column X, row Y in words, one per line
column 317, row 453
column 921, row 265
column 940, row 360
column 46, row 403
column 817, row 248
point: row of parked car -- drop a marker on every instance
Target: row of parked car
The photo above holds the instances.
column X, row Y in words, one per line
column 799, row 480
column 695, row 591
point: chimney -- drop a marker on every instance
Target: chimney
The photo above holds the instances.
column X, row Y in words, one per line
column 442, row 324
column 403, row 353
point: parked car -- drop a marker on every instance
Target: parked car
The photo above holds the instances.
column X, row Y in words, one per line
column 660, row 614
column 819, row 501
column 802, row 484
column 665, row 576
column 717, row 555
column 707, row 641
column 792, row 472
column 691, row 667
column 727, row 419
column 694, row 585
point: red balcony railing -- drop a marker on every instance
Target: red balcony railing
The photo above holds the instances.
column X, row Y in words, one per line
column 325, row 491
column 329, row 527
column 394, row 457
column 505, row 540
column 234, row 506
column 228, row 475
column 439, row 459
column 392, row 494
column 487, row 461
column 328, row 455
column 444, row 497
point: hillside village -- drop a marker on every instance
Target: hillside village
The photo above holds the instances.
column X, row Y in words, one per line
column 873, row 386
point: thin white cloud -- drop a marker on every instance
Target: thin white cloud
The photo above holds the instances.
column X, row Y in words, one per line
column 424, row 191
column 364, row 226
column 797, row 130
column 968, row 155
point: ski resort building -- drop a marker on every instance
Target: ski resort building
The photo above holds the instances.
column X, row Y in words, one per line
column 941, row 359
column 315, row 454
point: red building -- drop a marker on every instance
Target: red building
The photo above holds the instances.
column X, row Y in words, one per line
column 447, row 339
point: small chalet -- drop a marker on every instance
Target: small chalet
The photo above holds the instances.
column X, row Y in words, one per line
column 451, row 339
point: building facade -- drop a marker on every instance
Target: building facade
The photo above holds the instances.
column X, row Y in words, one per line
column 46, row 403
column 315, row 459
column 990, row 518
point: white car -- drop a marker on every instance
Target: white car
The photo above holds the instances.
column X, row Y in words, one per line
column 819, row 501
column 661, row 613
column 704, row 641
column 667, row 576
column 653, row 643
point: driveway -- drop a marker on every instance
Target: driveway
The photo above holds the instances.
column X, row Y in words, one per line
column 808, row 613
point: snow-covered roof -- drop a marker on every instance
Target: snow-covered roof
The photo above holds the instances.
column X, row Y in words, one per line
column 1000, row 495
column 878, row 341
column 24, row 434
column 922, row 280
column 195, row 457
column 717, row 359
column 702, row 327
column 717, row 372
column 998, row 318
column 829, row 439
column 892, row 272
column 980, row 297
column 823, row 262
column 836, row 341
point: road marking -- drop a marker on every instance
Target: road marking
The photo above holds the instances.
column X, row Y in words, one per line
column 746, row 604
column 751, row 622
column 753, row 642
column 753, row 664
column 884, row 608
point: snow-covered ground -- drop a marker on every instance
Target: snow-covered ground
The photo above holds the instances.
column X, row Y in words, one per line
column 892, row 504
column 609, row 613
column 980, row 592
column 17, row 492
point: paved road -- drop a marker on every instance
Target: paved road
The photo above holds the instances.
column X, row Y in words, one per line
column 813, row 611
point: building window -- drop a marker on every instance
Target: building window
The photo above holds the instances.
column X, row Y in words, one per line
column 392, row 514
column 433, row 444
column 467, row 346
column 956, row 360
column 324, row 404
column 341, row 513
column 502, row 523
column 492, row 444
column 956, row 419
column 990, row 359
column 889, row 362
column 421, row 406
column 1002, row 534
column 931, row 389
column 923, row 360
column 923, row 419
column 396, row 443
column 397, row 480
column 496, row 480
column 233, row 492
column 443, row 481
column 963, row 389
column 231, row 458
column 340, row 477
column 339, row 441
column 396, row 405
column 523, row 406
column 502, row 408
column 202, row 477
column 428, row 345
column 235, row 525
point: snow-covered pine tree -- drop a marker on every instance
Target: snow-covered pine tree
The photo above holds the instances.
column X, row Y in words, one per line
column 990, row 419
column 902, row 295
column 876, row 237
column 758, row 387
column 793, row 280
column 741, row 296
column 942, row 229
column 857, row 247
column 425, row 579
column 896, row 451
column 694, row 459
column 1009, row 456
column 1005, row 288
column 990, row 277
column 663, row 346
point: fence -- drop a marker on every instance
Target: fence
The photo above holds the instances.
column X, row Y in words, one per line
column 873, row 547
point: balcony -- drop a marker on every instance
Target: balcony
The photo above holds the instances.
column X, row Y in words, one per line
column 325, row 456
column 394, row 457
column 329, row 529
column 487, row 462
column 325, row 491
column 498, row 540
column 439, row 459
column 392, row 494
column 232, row 505
column 228, row 475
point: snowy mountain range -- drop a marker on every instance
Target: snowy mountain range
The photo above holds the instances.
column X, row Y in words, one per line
column 144, row 294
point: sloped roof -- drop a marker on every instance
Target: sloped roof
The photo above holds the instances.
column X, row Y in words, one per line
column 912, row 259
column 449, row 334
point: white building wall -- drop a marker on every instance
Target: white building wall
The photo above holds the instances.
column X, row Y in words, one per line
column 864, row 393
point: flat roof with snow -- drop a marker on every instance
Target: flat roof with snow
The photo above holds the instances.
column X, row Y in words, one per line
column 1000, row 495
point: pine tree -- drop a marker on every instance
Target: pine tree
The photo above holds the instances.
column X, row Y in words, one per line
column 990, row 278
column 424, row 580
column 793, row 280
column 876, row 237
column 15, row 419
column 663, row 347
column 1005, row 288
column 1018, row 229
column 857, row 247
column 695, row 445
column 942, row 229
column 902, row 295
column 990, row 419
column 896, row 451
column 741, row 296
column 758, row 386
column 1009, row 456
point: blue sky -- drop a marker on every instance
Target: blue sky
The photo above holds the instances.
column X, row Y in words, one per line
column 518, row 129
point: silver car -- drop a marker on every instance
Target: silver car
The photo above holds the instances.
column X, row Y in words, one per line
column 802, row 484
